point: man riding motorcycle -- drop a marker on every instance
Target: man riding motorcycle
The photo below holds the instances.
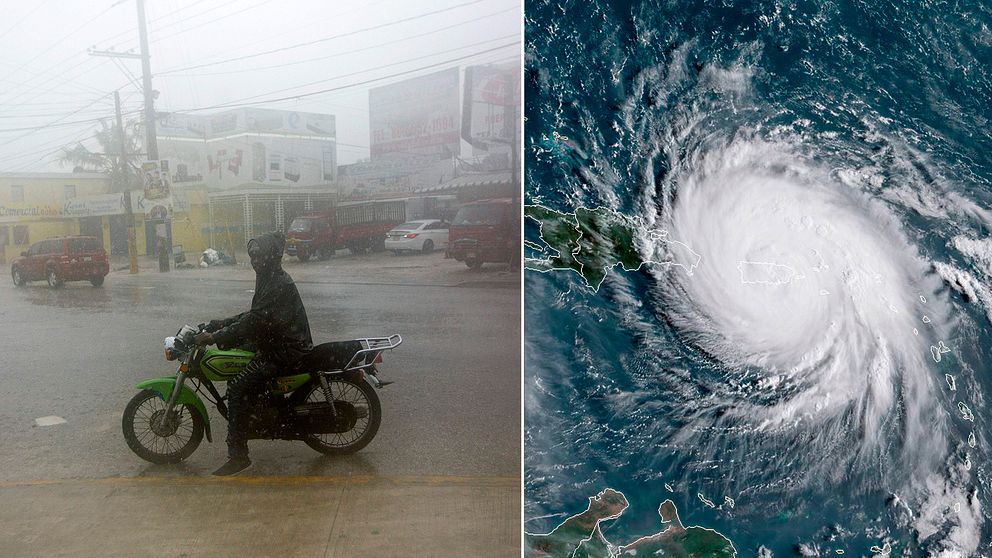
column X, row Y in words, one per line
column 278, row 328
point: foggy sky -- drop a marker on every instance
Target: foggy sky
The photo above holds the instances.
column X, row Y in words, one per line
column 48, row 78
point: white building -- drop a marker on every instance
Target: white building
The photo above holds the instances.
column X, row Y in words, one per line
column 249, row 146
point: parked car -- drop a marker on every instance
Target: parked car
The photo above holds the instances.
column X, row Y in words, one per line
column 57, row 260
column 424, row 235
column 486, row 231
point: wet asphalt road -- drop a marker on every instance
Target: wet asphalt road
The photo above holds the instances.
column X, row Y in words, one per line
column 77, row 353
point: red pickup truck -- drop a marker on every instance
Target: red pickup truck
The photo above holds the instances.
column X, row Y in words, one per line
column 357, row 226
column 486, row 231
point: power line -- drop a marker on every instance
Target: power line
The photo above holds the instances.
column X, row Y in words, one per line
column 134, row 30
column 317, row 41
column 64, row 139
column 47, row 147
column 55, row 123
column 27, row 15
column 71, row 33
column 353, row 51
column 208, row 22
column 239, row 102
column 47, row 152
column 42, row 115
column 335, row 16
column 62, row 78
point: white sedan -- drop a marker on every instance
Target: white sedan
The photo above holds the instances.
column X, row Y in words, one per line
column 425, row 235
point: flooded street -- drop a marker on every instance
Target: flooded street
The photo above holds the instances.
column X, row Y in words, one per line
column 77, row 353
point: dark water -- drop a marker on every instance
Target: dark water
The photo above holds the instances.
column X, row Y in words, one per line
column 627, row 105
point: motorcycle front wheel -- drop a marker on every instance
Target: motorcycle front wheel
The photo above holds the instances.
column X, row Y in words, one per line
column 362, row 397
column 157, row 436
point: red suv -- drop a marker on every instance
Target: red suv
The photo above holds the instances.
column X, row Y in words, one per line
column 70, row 258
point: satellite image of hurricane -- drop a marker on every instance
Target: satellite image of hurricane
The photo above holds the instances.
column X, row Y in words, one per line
column 758, row 286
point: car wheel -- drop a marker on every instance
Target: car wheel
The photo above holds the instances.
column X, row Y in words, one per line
column 474, row 264
column 15, row 274
column 428, row 246
column 53, row 279
column 96, row 280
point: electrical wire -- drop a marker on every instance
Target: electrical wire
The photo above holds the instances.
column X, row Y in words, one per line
column 321, row 40
column 65, row 139
column 199, row 25
column 347, row 52
column 240, row 102
column 75, row 30
column 27, row 15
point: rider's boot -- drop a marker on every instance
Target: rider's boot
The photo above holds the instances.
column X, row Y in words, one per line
column 233, row 466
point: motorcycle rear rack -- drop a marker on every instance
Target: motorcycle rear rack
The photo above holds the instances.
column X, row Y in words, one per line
column 372, row 348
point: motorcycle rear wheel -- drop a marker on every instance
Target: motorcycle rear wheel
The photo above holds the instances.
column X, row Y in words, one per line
column 356, row 392
column 158, row 441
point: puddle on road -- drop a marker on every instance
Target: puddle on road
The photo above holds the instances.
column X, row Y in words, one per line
column 70, row 296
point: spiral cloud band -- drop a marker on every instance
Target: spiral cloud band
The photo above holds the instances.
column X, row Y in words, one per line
column 813, row 288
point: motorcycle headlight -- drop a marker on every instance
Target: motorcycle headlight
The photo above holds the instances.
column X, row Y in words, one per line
column 174, row 348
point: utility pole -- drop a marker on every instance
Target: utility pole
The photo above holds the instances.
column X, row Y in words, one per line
column 146, row 79
column 151, row 141
column 132, row 244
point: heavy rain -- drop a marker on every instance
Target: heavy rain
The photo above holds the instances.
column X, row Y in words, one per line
column 367, row 152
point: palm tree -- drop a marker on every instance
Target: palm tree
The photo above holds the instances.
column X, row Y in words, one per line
column 108, row 160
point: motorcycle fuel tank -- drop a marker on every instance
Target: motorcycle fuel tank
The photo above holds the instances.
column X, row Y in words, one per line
column 223, row 365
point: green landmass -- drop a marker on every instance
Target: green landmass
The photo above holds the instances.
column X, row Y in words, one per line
column 589, row 241
column 595, row 547
column 567, row 537
column 580, row 536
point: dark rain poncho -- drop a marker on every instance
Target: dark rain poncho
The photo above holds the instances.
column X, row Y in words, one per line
column 277, row 323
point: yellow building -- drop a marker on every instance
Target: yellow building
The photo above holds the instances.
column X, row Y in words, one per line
column 32, row 208
column 36, row 206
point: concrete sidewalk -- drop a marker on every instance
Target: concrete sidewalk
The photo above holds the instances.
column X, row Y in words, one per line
column 261, row 516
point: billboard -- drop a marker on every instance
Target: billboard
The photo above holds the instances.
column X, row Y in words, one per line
column 236, row 161
column 285, row 122
column 247, row 120
column 491, row 92
column 416, row 116
column 176, row 125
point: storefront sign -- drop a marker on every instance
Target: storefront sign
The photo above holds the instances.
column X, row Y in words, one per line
column 22, row 212
column 92, row 206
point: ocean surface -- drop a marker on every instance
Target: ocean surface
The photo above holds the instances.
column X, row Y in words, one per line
column 819, row 383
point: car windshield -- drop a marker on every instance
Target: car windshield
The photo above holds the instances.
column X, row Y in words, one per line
column 301, row 225
column 82, row 245
column 412, row 226
column 479, row 215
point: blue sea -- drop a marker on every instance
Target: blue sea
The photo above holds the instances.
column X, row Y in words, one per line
column 811, row 375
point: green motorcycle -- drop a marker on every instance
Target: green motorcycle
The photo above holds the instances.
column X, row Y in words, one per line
column 327, row 400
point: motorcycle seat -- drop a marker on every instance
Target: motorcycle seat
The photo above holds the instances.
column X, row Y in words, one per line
column 329, row 356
